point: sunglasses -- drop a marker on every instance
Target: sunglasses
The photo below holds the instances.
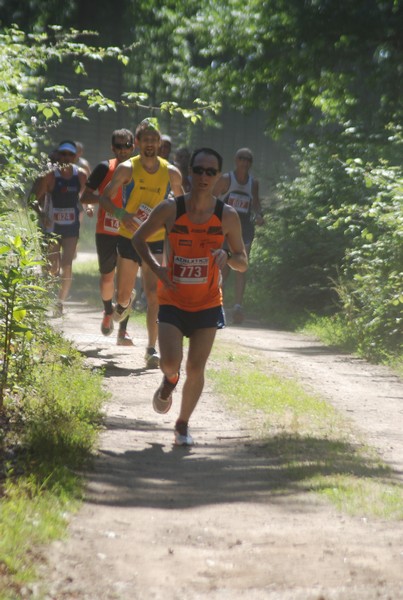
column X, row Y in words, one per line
column 124, row 146
column 248, row 158
column 209, row 171
column 66, row 153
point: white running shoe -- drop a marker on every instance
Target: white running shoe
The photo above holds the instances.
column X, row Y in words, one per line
column 121, row 316
column 152, row 359
column 182, row 435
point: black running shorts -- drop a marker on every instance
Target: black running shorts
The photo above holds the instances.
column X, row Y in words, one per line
column 187, row 322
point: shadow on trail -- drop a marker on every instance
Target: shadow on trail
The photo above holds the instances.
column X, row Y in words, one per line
column 110, row 364
column 298, row 344
column 226, row 471
column 114, row 369
column 318, row 350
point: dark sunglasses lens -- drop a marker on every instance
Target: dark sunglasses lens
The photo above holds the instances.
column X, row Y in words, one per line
column 122, row 146
column 210, row 171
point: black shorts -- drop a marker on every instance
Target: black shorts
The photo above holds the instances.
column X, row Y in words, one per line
column 188, row 322
column 248, row 232
column 56, row 238
column 66, row 231
column 107, row 250
column 126, row 249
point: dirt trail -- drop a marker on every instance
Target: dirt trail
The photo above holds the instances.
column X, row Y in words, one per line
column 371, row 395
column 215, row 521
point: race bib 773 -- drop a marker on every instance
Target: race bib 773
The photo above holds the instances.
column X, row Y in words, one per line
column 190, row 270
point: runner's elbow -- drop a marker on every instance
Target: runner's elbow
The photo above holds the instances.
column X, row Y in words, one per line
column 137, row 239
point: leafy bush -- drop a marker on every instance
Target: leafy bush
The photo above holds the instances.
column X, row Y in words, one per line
column 24, row 297
column 48, row 430
column 371, row 281
column 296, row 256
column 62, row 412
column 333, row 243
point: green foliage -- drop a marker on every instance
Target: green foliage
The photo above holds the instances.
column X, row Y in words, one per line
column 303, row 63
column 63, row 410
column 23, row 300
column 29, row 109
column 49, row 403
column 295, row 255
column 47, row 434
column 333, row 330
column 371, row 280
column 31, row 515
column 334, row 242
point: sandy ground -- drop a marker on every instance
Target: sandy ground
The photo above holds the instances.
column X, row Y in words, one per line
column 161, row 522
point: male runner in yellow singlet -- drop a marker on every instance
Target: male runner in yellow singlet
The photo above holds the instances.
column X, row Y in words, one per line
column 144, row 179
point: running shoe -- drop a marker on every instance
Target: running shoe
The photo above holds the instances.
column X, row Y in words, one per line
column 162, row 400
column 124, row 338
column 237, row 314
column 58, row 310
column 107, row 324
column 119, row 313
column 152, row 359
column 182, row 435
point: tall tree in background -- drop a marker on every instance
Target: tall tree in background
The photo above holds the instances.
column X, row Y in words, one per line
column 306, row 64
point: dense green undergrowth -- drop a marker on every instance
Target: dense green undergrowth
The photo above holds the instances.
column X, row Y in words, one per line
column 332, row 245
column 335, row 332
column 49, row 427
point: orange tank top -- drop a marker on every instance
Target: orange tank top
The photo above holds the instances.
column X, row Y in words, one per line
column 107, row 223
column 190, row 262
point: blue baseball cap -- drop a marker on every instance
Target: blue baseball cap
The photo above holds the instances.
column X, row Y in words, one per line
column 68, row 146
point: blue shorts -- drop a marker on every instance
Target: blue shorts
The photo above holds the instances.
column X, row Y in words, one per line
column 188, row 322
column 126, row 248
